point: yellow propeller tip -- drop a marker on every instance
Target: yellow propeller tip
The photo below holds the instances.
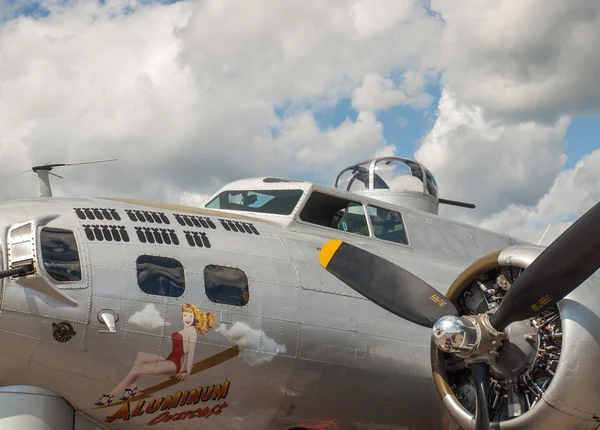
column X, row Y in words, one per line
column 328, row 250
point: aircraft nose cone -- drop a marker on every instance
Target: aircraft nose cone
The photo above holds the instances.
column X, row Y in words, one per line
column 453, row 334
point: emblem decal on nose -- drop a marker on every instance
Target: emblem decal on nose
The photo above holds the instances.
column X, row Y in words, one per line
column 63, row 332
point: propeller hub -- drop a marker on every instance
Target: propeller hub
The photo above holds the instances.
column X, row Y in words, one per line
column 455, row 335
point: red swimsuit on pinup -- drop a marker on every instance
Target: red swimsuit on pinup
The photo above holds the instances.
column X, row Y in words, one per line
column 177, row 354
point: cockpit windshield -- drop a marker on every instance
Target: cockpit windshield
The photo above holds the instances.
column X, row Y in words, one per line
column 277, row 202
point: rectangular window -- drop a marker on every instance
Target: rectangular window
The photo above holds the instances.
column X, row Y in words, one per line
column 335, row 212
column 160, row 276
column 387, row 224
column 226, row 285
column 277, row 202
column 60, row 255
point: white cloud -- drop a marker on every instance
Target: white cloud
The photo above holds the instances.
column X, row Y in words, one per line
column 148, row 318
column 186, row 95
column 532, row 60
column 513, row 74
column 256, row 347
column 192, row 95
column 193, row 199
column 573, row 193
column 378, row 93
column 491, row 164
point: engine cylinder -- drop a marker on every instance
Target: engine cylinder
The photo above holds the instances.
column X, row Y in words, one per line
column 555, row 390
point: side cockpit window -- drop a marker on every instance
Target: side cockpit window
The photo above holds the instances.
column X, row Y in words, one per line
column 387, row 225
column 160, row 276
column 335, row 212
column 226, row 285
column 60, row 255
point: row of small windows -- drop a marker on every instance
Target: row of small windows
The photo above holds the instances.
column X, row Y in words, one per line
column 151, row 217
column 342, row 214
column 160, row 276
column 164, row 276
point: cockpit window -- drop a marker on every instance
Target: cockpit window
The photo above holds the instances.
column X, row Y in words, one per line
column 277, row 202
column 335, row 212
column 60, row 255
column 387, row 224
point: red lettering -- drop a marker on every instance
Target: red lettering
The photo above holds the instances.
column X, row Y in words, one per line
column 182, row 415
column 212, row 411
column 200, row 412
column 221, row 407
column 172, row 401
column 221, row 392
column 207, row 393
column 154, row 405
column 159, row 419
column 138, row 409
column 184, row 398
column 122, row 413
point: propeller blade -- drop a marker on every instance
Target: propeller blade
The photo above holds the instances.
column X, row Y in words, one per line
column 564, row 265
column 385, row 283
column 480, row 380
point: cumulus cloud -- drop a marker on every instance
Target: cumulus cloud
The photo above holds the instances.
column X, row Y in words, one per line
column 491, row 164
column 531, row 60
column 193, row 199
column 148, row 318
column 256, row 347
column 514, row 73
column 573, row 193
column 378, row 93
column 192, row 95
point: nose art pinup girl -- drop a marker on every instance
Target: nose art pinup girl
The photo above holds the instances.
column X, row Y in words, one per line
column 147, row 364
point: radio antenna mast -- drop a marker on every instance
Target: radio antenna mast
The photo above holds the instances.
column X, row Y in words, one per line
column 43, row 172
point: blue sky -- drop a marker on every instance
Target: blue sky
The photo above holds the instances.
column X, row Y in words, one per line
column 370, row 50
column 402, row 126
column 583, row 136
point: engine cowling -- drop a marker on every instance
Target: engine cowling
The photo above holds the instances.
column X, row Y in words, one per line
column 548, row 375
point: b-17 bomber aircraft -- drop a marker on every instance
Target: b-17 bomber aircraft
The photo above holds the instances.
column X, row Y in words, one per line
column 284, row 304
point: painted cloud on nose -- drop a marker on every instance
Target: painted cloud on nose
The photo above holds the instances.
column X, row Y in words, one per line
column 148, row 318
column 256, row 347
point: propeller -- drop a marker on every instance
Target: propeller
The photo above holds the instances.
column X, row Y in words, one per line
column 388, row 285
column 557, row 271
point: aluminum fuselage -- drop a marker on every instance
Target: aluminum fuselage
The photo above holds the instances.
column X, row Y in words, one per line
column 310, row 353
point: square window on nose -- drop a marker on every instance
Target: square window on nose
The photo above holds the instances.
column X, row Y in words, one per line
column 60, row 254
column 226, row 285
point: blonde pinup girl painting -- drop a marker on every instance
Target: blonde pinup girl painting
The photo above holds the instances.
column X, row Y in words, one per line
column 178, row 363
